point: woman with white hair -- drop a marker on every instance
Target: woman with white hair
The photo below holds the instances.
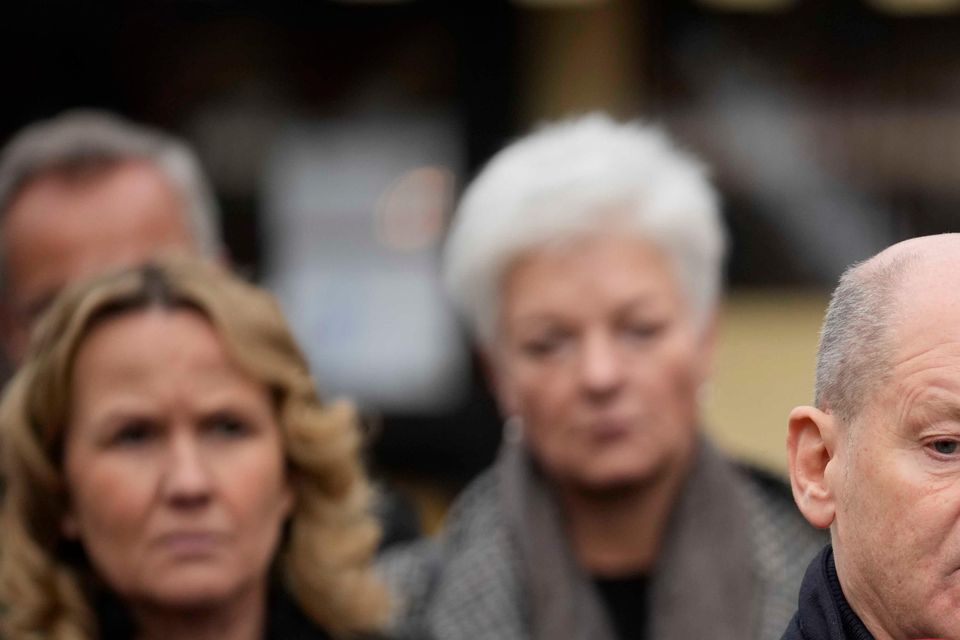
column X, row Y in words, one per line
column 586, row 259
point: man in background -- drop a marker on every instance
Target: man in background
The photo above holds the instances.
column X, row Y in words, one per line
column 877, row 459
column 86, row 192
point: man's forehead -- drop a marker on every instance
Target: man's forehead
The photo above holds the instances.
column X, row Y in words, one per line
column 925, row 322
column 120, row 216
column 929, row 289
column 924, row 250
column 83, row 178
column 923, row 273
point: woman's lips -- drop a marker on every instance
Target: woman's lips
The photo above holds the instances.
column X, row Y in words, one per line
column 191, row 543
column 605, row 431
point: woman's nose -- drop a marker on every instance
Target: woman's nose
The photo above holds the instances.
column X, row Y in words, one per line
column 187, row 480
column 601, row 367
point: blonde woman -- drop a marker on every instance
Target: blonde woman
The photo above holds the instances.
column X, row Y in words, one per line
column 172, row 474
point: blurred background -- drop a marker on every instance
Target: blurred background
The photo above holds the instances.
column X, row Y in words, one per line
column 339, row 134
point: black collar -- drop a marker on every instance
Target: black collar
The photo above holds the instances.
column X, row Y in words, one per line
column 285, row 619
column 824, row 613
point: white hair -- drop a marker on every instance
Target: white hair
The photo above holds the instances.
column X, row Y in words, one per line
column 86, row 137
column 562, row 181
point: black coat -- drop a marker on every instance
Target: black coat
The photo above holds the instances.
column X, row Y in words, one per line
column 823, row 612
column 285, row 619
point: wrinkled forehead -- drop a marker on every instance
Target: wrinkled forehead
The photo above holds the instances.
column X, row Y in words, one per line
column 922, row 333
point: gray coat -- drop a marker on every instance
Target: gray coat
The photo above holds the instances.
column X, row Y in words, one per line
column 734, row 554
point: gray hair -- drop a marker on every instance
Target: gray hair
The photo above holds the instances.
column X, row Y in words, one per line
column 855, row 341
column 564, row 181
column 87, row 138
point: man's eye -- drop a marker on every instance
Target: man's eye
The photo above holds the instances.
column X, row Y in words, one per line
column 945, row 447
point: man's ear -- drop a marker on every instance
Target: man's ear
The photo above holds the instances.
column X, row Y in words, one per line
column 811, row 446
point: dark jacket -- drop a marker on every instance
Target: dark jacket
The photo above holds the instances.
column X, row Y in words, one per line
column 285, row 619
column 823, row 612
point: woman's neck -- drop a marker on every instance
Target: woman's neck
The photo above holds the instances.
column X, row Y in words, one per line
column 242, row 618
column 618, row 532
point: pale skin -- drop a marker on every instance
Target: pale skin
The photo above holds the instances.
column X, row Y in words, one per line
column 599, row 354
column 888, row 484
column 61, row 229
column 174, row 464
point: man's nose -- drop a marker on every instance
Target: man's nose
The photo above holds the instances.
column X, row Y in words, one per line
column 187, row 480
column 601, row 365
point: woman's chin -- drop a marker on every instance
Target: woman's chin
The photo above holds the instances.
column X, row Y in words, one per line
column 615, row 479
column 196, row 593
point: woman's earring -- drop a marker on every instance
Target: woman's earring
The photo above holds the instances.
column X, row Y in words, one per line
column 513, row 429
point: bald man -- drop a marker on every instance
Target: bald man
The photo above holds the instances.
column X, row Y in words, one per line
column 877, row 459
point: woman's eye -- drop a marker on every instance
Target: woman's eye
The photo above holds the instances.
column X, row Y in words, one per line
column 542, row 347
column 133, row 433
column 945, row 447
column 644, row 330
column 228, row 425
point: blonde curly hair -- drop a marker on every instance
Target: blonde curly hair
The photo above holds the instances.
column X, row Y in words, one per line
column 325, row 556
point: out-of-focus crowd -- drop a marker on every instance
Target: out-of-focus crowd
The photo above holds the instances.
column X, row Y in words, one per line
column 171, row 470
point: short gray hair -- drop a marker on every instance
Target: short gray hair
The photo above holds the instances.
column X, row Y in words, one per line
column 560, row 182
column 87, row 138
column 855, row 342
